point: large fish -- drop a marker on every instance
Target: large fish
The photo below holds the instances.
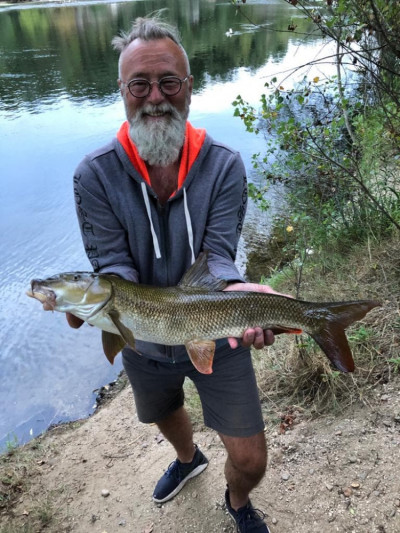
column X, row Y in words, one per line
column 194, row 313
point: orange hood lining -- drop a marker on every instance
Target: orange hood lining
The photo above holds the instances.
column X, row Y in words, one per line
column 194, row 139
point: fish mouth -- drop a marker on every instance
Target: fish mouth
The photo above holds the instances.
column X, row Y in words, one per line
column 46, row 297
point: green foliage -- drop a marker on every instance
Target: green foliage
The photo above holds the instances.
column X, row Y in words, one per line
column 395, row 361
column 335, row 147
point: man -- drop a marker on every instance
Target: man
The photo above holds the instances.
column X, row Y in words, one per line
column 148, row 203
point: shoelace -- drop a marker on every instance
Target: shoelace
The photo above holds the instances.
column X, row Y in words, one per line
column 250, row 514
column 173, row 470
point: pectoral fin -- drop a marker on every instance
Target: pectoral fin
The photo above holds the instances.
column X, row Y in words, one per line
column 201, row 353
column 125, row 333
column 112, row 345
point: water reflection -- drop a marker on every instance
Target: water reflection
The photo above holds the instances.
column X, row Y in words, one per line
column 59, row 101
column 66, row 49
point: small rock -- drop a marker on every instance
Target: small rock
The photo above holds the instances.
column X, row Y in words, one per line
column 311, row 471
column 122, row 523
column 274, row 521
column 105, row 493
column 159, row 438
column 338, row 433
column 355, row 485
column 385, row 397
column 329, row 487
column 285, row 476
column 347, row 492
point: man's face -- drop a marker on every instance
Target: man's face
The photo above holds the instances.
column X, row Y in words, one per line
column 153, row 60
column 157, row 122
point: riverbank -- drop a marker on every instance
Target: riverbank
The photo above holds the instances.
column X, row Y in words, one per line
column 333, row 440
column 332, row 474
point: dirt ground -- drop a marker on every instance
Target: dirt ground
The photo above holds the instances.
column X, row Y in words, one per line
column 331, row 474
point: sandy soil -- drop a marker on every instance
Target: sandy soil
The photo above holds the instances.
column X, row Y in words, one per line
column 332, row 474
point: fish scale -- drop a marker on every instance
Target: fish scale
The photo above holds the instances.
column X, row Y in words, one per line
column 195, row 313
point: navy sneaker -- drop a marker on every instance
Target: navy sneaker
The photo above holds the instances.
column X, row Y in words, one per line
column 248, row 519
column 177, row 475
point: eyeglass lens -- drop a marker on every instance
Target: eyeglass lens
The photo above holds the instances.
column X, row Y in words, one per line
column 168, row 86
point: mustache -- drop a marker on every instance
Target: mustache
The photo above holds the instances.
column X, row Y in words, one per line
column 154, row 109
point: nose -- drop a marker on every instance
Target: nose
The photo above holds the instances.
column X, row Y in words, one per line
column 155, row 96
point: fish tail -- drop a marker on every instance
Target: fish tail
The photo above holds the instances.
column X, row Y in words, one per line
column 331, row 337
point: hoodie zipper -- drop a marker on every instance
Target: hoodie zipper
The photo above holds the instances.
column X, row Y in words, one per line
column 162, row 211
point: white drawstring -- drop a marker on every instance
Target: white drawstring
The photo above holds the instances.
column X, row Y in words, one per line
column 188, row 225
column 153, row 233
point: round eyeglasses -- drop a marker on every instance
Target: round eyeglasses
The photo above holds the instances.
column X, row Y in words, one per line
column 168, row 86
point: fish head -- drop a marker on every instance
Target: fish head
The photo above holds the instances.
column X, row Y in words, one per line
column 80, row 293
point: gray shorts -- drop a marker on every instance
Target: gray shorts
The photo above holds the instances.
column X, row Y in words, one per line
column 229, row 396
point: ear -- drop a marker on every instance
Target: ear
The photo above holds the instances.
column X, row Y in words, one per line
column 190, row 88
column 190, row 83
column 120, row 85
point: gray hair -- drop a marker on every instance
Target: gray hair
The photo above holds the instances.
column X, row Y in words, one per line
column 149, row 28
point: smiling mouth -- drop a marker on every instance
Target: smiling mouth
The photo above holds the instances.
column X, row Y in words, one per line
column 157, row 114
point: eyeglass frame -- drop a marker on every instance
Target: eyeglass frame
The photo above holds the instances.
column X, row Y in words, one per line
column 151, row 83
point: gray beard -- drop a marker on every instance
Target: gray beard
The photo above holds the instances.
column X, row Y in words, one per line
column 159, row 144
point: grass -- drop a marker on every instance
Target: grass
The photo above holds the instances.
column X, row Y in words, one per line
column 293, row 375
column 294, row 371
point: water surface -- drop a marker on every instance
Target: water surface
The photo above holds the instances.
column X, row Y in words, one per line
column 58, row 101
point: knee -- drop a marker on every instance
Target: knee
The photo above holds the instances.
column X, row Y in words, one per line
column 250, row 462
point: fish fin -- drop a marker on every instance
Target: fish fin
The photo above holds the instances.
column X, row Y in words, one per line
column 278, row 330
column 201, row 353
column 333, row 342
column 331, row 336
column 200, row 276
column 125, row 332
column 112, row 345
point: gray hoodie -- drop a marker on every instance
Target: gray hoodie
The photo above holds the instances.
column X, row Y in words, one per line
column 127, row 232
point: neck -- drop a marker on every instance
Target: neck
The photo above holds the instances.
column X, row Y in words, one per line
column 164, row 180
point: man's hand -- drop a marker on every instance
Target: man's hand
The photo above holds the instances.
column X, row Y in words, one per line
column 256, row 337
column 74, row 321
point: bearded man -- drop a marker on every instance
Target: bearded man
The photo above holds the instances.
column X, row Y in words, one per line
column 148, row 204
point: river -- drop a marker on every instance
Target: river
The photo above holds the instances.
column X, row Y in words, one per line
column 58, row 101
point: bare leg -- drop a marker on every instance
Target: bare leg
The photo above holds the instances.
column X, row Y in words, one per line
column 177, row 429
column 245, row 466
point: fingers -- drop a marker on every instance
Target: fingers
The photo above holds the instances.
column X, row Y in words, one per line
column 269, row 337
column 253, row 337
column 233, row 343
column 74, row 321
column 254, row 287
column 256, row 337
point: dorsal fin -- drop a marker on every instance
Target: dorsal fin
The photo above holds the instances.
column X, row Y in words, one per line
column 199, row 276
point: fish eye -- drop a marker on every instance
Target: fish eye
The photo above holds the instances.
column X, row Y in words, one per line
column 77, row 277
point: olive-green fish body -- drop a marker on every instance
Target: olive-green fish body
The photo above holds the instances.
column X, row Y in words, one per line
column 195, row 313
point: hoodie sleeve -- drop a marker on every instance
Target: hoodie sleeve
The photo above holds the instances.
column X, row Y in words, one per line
column 103, row 236
column 225, row 220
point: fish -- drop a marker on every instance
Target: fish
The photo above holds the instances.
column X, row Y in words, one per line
column 195, row 313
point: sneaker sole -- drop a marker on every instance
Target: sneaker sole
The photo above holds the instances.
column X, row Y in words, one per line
column 198, row 470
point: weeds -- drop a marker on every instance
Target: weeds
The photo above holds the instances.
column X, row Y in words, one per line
column 294, row 370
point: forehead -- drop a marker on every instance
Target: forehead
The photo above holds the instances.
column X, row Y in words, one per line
column 156, row 57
